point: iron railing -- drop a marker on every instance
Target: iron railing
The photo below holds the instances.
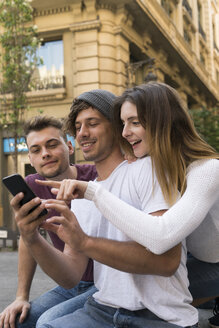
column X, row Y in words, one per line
column 50, row 82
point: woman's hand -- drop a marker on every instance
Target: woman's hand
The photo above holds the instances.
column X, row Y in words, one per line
column 66, row 189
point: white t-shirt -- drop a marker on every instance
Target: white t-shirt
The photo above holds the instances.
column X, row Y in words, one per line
column 167, row 297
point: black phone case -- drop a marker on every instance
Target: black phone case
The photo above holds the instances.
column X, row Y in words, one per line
column 15, row 184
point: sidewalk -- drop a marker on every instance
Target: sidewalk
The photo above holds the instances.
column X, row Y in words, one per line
column 8, row 280
column 41, row 283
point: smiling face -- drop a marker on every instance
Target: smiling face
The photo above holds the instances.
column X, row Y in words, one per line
column 48, row 152
column 133, row 131
column 94, row 135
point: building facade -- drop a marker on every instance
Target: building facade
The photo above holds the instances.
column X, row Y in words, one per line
column 112, row 45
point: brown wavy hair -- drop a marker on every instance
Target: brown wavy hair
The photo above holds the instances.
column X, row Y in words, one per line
column 173, row 140
column 77, row 106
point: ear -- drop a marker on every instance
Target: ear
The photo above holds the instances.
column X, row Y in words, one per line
column 70, row 147
column 30, row 160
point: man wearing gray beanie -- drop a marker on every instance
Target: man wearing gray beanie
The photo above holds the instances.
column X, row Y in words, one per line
column 101, row 100
column 126, row 275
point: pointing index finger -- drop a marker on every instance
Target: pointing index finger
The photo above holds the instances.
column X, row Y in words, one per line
column 49, row 183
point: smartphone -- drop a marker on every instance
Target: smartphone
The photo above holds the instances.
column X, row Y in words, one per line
column 15, row 184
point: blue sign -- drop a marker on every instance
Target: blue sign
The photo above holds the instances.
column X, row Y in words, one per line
column 8, row 144
column 72, row 139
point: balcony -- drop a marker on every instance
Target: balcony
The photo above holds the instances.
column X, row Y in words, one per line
column 49, row 82
column 50, row 88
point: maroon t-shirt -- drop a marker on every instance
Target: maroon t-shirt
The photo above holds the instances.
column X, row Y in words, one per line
column 85, row 173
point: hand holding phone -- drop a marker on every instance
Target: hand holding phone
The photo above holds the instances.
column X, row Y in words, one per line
column 15, row 184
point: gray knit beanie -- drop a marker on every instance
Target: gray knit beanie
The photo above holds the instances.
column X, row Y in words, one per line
column 100, row 99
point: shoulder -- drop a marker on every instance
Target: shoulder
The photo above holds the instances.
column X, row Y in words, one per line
column 207, row 168
column 141, row 166
column 141, row 162
column 86, row 172
column 203, row 176
column 141, row 172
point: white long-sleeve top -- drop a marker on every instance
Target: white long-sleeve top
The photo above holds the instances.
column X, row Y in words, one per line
column 196, row 215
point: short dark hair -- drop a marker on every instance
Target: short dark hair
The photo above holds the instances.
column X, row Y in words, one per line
column 38, row 123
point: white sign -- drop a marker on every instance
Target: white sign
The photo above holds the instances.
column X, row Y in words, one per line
column 3, row 234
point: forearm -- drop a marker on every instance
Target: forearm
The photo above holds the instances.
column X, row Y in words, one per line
column 159, row 233
column 132, row 257
column 26, row 270
column 57, row 265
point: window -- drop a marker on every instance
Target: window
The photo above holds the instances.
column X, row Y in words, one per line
column 214, row 35
column 199, row 13
column 200, row 21
column 217, row 76
column 51, row 73
column 202, row 59
column 187, row 36
column 187, row 7
column 167, row 7
column 170, row 7
column 52, row 55
column 28, row 169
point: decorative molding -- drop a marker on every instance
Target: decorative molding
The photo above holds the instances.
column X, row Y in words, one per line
column 175, row 71
column 106, row 5
column 118, row 29
column 147, row 41
column 185, row 81
column 203, row 44
column 162, row 56
column 86, row 25
column 52, row 11
column 216, row 55
column 126, row 19
column 46, row 95
column 202, row 41
column 188, row 20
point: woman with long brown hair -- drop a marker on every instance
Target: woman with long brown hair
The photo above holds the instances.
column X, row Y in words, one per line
column 151, row 120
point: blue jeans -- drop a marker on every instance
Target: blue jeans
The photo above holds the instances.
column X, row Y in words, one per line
column 56, row 303
column 95, row 315
column 203, row 278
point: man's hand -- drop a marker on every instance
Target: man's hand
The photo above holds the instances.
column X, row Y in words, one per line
column 28, row 223
column 68, row 228
column 67, row 189
column 8, row 316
